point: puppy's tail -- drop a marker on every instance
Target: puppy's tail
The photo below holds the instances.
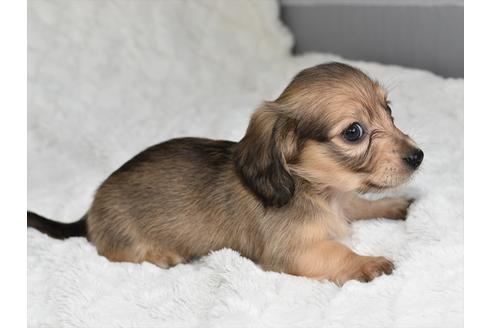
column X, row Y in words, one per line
column 55, row 229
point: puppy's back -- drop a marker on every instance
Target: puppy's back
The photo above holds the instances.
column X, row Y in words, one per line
column 171, row 194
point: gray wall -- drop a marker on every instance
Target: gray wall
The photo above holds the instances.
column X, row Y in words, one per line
column 426, row 35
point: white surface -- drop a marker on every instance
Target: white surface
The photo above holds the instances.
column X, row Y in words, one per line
column 109, row 78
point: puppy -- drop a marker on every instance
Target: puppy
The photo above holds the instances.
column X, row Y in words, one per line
column 281, row 196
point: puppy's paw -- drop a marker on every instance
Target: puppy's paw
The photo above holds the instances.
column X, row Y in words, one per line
column 396, row 208
column 372, row 267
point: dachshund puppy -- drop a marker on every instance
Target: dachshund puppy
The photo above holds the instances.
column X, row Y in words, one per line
column 281, row 196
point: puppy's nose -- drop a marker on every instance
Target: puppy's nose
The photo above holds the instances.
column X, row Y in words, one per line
column 414, row 158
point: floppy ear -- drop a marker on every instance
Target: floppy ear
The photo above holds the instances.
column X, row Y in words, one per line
column 260, row 157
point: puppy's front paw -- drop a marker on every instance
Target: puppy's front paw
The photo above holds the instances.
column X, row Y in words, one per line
column 372, row 267
column 396, row 208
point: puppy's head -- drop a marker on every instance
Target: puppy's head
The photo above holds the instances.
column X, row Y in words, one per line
column 332, row 127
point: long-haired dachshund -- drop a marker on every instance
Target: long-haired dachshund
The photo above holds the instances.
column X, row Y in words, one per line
column 281, row 196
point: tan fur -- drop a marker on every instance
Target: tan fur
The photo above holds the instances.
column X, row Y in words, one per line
column 282, row 196
column 317, row 167
column 333, row 261
column 357, row 208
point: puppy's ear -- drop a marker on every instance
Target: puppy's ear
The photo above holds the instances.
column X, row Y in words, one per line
column 260, row 157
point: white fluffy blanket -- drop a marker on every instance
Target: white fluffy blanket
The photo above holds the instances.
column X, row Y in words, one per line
column 108, row 78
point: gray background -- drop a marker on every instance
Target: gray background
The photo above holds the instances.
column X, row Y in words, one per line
column 412, row 33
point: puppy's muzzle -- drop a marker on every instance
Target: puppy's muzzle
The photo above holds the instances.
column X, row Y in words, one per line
column 414, row 158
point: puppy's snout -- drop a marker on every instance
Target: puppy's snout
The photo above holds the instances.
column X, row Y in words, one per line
column 414, row 158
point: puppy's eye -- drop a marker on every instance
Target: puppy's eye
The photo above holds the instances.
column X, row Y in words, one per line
column 354, row 132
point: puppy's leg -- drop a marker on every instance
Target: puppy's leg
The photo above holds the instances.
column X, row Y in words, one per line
column 358, row 208
column 336, row 262
column 121, row 255
column 163, row 258
column 159, row 257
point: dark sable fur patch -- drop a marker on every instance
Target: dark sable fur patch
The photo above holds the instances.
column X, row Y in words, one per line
column 314, row 130
column 260, row 162
column 215, row 153
column 57, row 229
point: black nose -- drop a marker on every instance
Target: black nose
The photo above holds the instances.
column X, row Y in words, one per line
column 414, row 158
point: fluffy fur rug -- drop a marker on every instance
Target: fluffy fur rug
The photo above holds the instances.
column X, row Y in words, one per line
column 106, row 79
